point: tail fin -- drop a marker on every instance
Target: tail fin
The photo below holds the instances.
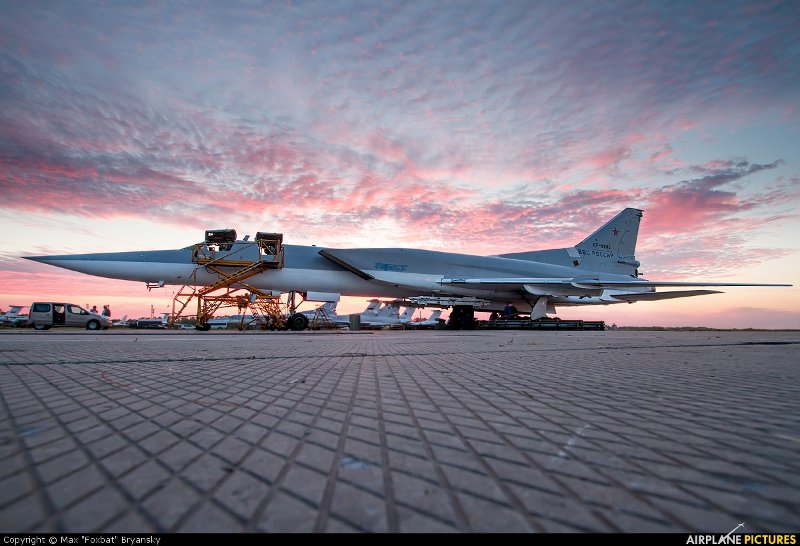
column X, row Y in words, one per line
column 612, row 248
column 372, row 308
column 389, row 310
column 13, row 311
column 329, row 307
column 434, row 316
column 408, row 314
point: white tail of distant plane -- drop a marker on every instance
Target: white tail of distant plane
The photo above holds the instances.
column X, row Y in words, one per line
column 11, row 316
column 408, row 314
column 389, row 311
column 372, row 308
column 329, row 307
column 430, row 321
column 13, row 311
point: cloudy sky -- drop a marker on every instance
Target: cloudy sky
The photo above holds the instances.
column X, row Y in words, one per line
column 468, row 126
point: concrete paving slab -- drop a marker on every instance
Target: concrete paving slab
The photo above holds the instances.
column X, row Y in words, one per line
column 391, row 431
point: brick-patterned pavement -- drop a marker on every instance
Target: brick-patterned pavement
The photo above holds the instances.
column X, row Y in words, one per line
column 399, row 431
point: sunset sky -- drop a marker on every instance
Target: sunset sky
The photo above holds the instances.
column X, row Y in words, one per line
column 466, row 126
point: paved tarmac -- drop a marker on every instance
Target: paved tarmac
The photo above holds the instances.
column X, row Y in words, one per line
column 399, row 431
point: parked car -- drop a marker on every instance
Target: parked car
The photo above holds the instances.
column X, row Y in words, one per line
column 44, row 315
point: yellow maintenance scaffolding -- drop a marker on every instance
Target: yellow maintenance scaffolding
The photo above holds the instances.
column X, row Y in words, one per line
column 222, row 255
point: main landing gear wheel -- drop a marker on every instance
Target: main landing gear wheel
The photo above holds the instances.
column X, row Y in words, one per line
column 462, row 317
column 297, row 322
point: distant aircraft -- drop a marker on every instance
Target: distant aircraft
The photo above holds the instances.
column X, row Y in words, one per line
column 162, row 322
column 389, row 315
column 372, row 308
column 432, row 320
column 372, row 316
column 12, row 316
column 123, row 322
column 600, row 270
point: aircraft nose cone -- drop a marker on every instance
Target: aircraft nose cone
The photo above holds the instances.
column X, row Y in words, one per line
column 86, row 263
column 41, row 259
column 49, row 260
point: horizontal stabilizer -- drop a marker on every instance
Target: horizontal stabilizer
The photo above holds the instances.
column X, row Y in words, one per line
column 653, row 296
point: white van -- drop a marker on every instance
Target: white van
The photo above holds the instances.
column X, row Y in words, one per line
column 43, row 315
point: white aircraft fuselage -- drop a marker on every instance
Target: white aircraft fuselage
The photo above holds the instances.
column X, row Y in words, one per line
column 400, row 272
column 601, row 269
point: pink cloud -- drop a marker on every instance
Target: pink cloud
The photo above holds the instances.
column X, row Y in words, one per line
column 695, row 204
column 608, row 159
column 380, row 145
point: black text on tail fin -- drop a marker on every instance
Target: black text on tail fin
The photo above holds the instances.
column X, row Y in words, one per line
column 612, row 248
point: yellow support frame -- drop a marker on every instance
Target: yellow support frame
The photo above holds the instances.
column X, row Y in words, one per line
column 266, row 308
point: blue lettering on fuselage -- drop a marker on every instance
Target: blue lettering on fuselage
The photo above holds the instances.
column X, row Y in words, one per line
column 390, row 267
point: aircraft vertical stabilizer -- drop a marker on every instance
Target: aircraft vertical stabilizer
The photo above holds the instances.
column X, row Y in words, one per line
column 612, row 248
column 407, row 315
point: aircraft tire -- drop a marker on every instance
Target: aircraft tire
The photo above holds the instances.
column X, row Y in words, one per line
column 297, row 322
